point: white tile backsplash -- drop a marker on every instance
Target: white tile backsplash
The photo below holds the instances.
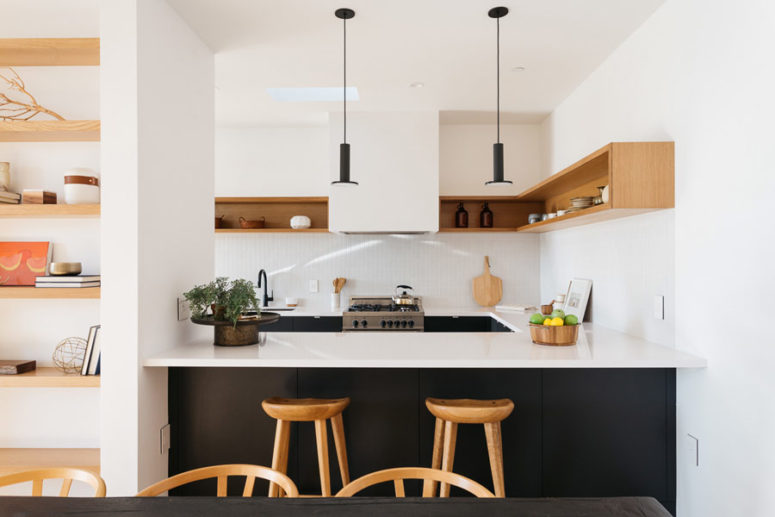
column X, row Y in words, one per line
column 440, row 267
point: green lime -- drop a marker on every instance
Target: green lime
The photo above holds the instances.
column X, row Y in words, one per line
column 571, row 319
column 537, row 319
column 557, row 313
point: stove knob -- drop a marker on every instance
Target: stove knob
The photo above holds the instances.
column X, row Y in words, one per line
column 364, row 323
column 411, row 323
column 390, row 324
column 383, row 323
column 355, row 324
column 397, row 323
column 403, row 324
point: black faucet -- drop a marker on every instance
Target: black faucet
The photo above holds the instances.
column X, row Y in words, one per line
column 266, row 298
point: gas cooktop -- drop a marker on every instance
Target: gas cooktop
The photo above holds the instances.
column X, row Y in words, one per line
column 381, row 313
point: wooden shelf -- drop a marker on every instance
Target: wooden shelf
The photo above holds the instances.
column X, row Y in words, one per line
column 508, row 212
column 50, row 292
column 49, row 52
column 49, row 377
column 50, row 131
column 475, row 230
column 277, row 212
column 59, row 210
column 18, row 459
column 272, row 230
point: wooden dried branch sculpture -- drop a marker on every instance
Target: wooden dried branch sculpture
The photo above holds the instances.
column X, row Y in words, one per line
column 11, row 109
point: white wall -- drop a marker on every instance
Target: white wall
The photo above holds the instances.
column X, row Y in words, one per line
column 697, row 73
column 465, row 158
column 440, row 266
column 272, row 161
column 158, row 147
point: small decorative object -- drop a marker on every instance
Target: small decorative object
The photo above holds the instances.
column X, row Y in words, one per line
column 544, row 217
column 577, row 297
column 533, row 218
column 485, row 217
column 561, row 213
column 291, row 302
column 14, row 109
column 604, row 194
column 219, row 221
column 22, row 262
column 252, row 225
column 461, row 216
column 230, row 304
column 38, row 197
column 64, row 268
column 300, row 222
column 82, row 186
column 68, row 354
column 16, row 367
column 548, row 308
column 599, row 198
column 5, row 176
column 551, row 215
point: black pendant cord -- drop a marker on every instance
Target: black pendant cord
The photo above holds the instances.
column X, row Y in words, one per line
column 344, row 109
column 498, row 76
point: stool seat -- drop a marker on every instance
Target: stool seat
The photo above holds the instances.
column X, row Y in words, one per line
column 470, row 411
column 304, row 410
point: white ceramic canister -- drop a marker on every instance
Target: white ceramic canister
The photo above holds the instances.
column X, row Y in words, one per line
column 300, row 222
column 5, row 176
column 82, row 186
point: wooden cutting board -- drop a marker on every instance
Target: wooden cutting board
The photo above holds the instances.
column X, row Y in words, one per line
column 488, row 289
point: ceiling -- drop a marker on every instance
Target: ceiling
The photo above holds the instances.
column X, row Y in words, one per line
column 448, row 45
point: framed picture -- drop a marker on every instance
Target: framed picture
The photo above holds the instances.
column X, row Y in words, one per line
column 22, row 262
column 577, row 297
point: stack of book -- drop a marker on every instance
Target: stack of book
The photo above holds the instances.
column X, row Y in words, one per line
column 68, row 281
column 10, row 198
column 91, row 358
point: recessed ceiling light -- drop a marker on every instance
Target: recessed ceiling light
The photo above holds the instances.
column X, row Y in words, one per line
column 416, row 85
column 518, row 69
column 314, row 94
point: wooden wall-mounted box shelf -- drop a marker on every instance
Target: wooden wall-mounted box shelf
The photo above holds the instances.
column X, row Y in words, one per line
column 277, row 212
column 18, row 459
column 50, row 131
column 508, row 213
column 58, row 210
column 49, row 52
column 640, row 176
column 52, row 293
column 49, row 377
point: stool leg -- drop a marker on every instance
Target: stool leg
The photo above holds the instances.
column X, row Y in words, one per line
column 337, row 427
column 495, row 450
column 429, row 487
column 321, row 437
column 280, row 453
column 450, row 439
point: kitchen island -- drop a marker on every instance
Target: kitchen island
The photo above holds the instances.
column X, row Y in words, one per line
column 596, row 419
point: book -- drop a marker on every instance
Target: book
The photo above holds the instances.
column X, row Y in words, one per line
column 69, row 285
column 9, row 201
column 39, row 197
column 10, row 195
column 89, row 349
column 67, row 279
column 16, row 367
column 94, row 361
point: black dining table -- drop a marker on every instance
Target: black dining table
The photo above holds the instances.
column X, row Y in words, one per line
column 340, row 507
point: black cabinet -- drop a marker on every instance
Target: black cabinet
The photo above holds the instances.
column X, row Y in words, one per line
column 305, row 324
column 284, row 324
column 463, row 324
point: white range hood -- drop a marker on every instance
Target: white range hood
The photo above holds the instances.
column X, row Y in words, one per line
column 394, row 156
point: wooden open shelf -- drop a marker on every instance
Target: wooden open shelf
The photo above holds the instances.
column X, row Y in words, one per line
column 277, row 212
column 49, row 52
column 52, row 293
column 18, row 459
column 50, row 131
column 58, row 210
column 49, row 377
column 508, row 212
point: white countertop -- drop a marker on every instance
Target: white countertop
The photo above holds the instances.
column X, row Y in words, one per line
column 597, row 347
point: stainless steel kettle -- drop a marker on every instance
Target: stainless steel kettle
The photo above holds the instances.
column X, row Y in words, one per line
column 403, row 298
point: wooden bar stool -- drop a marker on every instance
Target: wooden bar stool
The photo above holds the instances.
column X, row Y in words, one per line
column 451, row 412
column 286, row 411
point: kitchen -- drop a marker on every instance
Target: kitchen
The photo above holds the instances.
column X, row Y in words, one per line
column 195, row 128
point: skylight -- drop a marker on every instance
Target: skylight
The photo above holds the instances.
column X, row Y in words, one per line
column 314, row 94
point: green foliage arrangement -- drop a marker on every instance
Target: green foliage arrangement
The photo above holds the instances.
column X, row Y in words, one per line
column 226, row 300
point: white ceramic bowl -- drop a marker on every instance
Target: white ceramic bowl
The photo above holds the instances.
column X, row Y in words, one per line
column 82, row 186
column 300, row 222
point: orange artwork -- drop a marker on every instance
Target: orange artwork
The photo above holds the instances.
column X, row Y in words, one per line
column 21, row 262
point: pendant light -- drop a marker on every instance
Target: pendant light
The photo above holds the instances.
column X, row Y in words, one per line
column 344, row 148
column 497, row 148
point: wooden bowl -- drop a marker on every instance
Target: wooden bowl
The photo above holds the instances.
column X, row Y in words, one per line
column 251, row 225
column 554, row 336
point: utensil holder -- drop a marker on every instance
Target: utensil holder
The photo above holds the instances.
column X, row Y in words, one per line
column 335, row 301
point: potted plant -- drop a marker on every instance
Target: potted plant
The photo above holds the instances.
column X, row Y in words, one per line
column 227, row 302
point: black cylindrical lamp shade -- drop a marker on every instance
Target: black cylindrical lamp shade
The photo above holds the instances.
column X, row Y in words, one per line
column 344, row 166
column 497, row 166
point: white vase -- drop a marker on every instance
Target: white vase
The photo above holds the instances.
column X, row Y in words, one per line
column 300, row 222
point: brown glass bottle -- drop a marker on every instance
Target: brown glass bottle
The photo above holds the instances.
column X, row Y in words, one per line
column 485, row 217
column 461, row 217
